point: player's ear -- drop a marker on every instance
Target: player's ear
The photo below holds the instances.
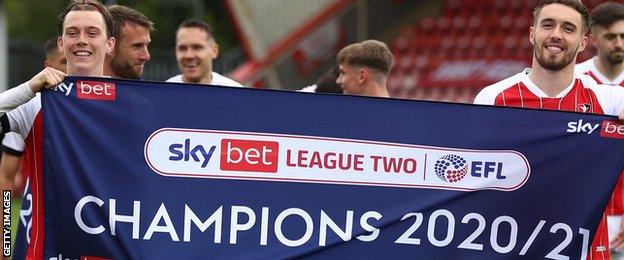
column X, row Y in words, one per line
column 583, row 44
column 59, row 44
column 110, row 44
column 532, row 35
column 363, row 75
column 215, row 50
column 591, row 38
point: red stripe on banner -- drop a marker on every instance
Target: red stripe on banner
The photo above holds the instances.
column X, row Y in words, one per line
column 34, row 147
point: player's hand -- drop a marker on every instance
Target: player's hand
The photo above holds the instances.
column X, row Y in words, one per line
column 47, row 78
column 617, row 243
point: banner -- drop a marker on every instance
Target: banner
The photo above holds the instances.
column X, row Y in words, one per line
column 144, row 170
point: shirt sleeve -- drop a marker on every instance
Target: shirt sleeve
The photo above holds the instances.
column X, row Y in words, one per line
column 611, row 98
column 11, row 99
column 13, row 144
column 484, row 98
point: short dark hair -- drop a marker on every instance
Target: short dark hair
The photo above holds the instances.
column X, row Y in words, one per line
column 606, row 14
column 574, row 4
column 327, row 82
column 86, row 5
column 122, row 14
column 50, row 46
column 194, row 23
column 370, row 53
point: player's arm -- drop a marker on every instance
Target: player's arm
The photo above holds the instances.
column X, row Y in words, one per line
column 12, row 149
column 9, row 165
column 23, row 93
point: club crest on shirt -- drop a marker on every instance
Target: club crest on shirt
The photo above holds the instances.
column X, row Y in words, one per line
column 585, row 108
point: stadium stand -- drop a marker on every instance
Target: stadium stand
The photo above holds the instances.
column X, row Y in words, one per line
column 472, row 44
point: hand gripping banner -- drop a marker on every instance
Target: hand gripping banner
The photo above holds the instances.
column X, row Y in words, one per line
column 144, row 170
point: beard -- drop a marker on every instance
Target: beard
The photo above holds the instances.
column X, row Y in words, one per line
column 551, row 63
column 123, row 68
column 615, row 57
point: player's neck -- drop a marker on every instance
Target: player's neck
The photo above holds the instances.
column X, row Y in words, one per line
column 381, row 92
column 110, row 73
column 552, row 82
column 375, row 89
column 95, row 72
column 207, row 79
column 610, row 71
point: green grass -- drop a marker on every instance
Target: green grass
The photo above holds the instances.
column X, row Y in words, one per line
column 16, row 204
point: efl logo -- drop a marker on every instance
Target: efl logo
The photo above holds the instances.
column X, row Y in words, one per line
column 612, row 129
column 249, row 156
column 96, row 90
column 451, row 168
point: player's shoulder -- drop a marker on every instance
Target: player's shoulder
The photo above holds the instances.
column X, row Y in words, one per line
column 506, row 83
column 176, row 79
column 34, row 105
column 584, row 66
column 586, row 80
column 488, row 94
column 218, row 79
column 309, row 89
column 605, row 93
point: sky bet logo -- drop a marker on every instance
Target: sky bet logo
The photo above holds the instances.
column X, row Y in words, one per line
column 217, row 154
column 185, row 152
column 249, row 156
column 580, row 127
column 609, row 129
column 96, row 90
column 612, row 129
column 236, row 155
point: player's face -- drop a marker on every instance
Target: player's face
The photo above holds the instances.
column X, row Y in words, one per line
column 557, row 37
column 610, row 42
column 195, row 50
column 350, row 79
column 56, row 60
column 84, row 43
column 131, row 51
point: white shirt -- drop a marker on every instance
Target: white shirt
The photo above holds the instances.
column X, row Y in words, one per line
column 14, row 142
column 311, row 88
column 588, row 67
column 21, row 107
column 217, row 79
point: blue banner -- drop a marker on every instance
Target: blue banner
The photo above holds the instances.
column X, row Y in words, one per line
column 144, row 170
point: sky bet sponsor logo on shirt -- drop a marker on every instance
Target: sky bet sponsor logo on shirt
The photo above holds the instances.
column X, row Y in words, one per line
column 608, row 128
column 270, row 157
column 94, row 90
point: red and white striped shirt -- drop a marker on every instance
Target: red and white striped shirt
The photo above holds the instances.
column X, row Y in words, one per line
column 582, row 95
column 589, row 68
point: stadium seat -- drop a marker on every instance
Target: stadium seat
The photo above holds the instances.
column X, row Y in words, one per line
column 467, row 33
